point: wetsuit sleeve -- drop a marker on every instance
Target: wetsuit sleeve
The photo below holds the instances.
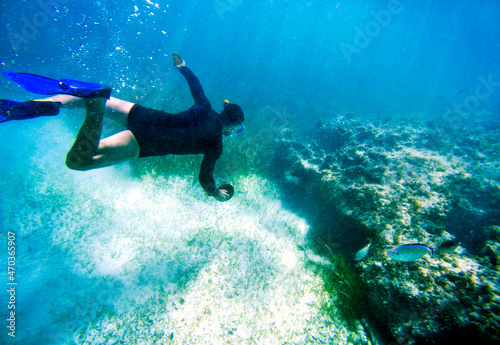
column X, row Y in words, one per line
column 207, row 173
column 194, row 86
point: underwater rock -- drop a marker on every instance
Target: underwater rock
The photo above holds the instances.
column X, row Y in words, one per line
column 491, row 250
column 332, row 138
column 447, row 247
column 403, row 182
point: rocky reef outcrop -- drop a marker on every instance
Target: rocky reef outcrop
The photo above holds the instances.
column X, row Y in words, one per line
column 406, row 181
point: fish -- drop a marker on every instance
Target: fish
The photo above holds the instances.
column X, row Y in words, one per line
column 409, row 252
column 447, row 247
column 363, row 252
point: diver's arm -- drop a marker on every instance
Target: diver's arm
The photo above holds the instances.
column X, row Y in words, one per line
column 194, row 85
column 206, row 176
column 193, row 82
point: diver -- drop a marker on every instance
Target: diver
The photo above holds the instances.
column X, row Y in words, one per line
column 149, row 132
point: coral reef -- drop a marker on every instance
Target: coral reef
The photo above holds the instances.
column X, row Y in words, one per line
column 406, row 181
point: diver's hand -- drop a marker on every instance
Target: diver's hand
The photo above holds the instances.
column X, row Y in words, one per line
column 223, row 195
column 178, row 62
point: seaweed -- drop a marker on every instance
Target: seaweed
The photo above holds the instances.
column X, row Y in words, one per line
column 346, row 289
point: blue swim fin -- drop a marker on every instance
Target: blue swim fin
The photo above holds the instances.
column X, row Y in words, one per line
column 12, row 110
column 46, row 86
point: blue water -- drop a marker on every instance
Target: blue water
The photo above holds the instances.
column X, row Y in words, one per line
column 418, row 57
column 302, row 61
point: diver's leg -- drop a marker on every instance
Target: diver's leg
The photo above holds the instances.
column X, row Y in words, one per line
column 87, row 139
column 89, row 152
column 115, row 149
column 73, row 102
column 112, row 150
column 119, row 105
column 67, row 101
column 119, row 108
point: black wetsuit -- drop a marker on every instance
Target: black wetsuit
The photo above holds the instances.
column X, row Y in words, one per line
column 194, row 131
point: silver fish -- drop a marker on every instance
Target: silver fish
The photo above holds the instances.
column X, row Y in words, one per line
column 363, row 252
column 409, row 252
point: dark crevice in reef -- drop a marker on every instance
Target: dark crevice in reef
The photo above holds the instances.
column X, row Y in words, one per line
column 475, row 205
column 331, row 231
column 456, row 336
column 328, row 226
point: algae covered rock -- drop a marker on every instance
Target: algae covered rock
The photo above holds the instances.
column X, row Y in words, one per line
column 400, row 182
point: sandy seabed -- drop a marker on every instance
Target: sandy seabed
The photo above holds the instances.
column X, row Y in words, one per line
column 105, row 257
